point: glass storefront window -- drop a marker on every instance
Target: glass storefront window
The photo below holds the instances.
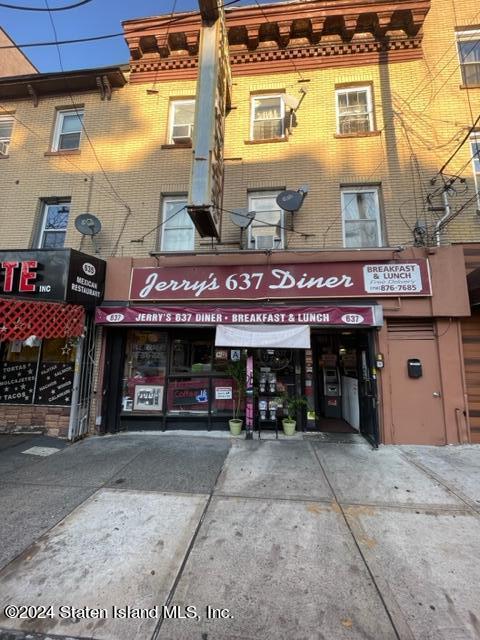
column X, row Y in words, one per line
column 191, row 356
column 38, row 372
column 144, row 371
column 223, row 395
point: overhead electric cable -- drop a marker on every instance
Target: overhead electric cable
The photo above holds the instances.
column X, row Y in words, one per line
column 20, row 8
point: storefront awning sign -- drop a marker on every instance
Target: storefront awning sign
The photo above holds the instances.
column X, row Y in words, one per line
column 268, row 282
column 263, row 336
column 52, row 275
column 204, row 315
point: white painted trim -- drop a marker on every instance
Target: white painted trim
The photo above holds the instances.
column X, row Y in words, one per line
column 354, row 190
column 356, row 88
column 476, row 176
column 257, row 97
column 60, row 116
column 255, row 195
column 4, row 141
column 164, row 202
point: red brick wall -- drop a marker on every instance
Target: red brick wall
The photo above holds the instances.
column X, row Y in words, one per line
column 53, row 421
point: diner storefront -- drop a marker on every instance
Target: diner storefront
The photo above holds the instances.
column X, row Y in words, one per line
column 363, row 340
column 46, row 339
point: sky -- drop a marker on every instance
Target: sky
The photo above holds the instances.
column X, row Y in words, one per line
column 96, row 18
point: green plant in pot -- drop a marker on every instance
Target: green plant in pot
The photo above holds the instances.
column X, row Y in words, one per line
column 292, row 404
column 237, row 371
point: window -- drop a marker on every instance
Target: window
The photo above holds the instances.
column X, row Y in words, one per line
column 266, row 230
column 361, row 218
column 68, row 129
column 268, row 117
column 354, row 110
column 54, row 225
column 6, row 126
column 178, row 233
column 469, row 54
column 182, row 114
column 475, row 148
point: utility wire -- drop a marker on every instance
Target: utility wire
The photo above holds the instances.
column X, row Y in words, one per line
column 70, row 6
column 142, row 238
column 80, row 119
column 107, row 36
column 268, row 224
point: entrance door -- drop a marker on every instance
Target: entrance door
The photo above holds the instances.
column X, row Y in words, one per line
column 367, row 388
column 417, row 407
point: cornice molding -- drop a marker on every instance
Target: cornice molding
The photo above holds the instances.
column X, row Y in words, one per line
column 267, row 39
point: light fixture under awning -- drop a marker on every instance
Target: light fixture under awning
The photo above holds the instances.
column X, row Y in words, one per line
column 263, row 336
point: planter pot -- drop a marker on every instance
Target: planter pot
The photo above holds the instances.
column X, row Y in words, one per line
column 288, row 426
column 235, row 427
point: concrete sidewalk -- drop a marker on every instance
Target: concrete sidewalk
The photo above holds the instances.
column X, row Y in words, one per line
column 299, row 539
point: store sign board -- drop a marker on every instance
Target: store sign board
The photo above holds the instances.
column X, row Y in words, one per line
column 260, row 282
column 52, row 275
column 209, row 315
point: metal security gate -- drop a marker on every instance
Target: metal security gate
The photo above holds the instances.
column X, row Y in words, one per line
column 82, row 382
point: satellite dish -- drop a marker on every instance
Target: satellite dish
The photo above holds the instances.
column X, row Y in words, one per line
column 290, row 200
column 242, row 217
column 88, row 224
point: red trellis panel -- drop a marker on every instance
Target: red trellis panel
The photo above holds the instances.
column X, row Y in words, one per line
column 20, row 319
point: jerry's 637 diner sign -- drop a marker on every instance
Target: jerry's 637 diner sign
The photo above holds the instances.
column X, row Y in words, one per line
column 299, row 281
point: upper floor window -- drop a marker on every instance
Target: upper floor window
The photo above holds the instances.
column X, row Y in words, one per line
column 54, row 225
column 182, row 114
column 267, row 229
column 354, row 110
column 361, row 217
column 469, row 53
column 6, row 126
column 68, row 130
column 267, row 117
column 475, row 147
column 178, row 232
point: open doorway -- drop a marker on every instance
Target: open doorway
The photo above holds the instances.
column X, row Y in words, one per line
column 345, row 382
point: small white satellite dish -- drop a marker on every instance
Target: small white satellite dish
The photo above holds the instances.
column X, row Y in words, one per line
column 291, row 101
column 88, row 224
column 242, row 217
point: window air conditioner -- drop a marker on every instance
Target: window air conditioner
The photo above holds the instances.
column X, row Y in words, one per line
column 3, row 148
column 267, row 242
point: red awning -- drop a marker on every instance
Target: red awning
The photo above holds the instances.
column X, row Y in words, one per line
column 20, row 319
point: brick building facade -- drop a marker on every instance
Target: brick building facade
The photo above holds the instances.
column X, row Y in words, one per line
column 364, row 106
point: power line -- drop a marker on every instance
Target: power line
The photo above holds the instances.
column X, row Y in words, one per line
column 107, row 36
column 142, row 238
column 268, row 224
column 70, row 6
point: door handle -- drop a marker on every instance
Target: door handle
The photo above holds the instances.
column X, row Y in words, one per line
column 437, row 394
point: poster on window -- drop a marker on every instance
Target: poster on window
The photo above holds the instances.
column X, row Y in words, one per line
column 54, row 383
column 148, row 397
column 17, row 382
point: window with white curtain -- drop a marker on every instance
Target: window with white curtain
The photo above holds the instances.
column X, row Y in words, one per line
column 267, row 117
column 177, row 230
column 468, row 43
column 354, row 110
column 361, row 217
column 267, row 229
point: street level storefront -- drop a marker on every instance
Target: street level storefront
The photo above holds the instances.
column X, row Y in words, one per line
column 46, row 339
column 370, row 339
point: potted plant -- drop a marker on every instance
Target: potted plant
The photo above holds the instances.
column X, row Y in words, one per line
column 292, row 405
column 237, row 371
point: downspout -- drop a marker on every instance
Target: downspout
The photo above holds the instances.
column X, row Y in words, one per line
column 443, row 219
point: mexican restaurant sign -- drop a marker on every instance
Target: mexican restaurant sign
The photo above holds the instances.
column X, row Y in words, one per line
column 52, row 275
column 211, row 315
column 299, row 281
